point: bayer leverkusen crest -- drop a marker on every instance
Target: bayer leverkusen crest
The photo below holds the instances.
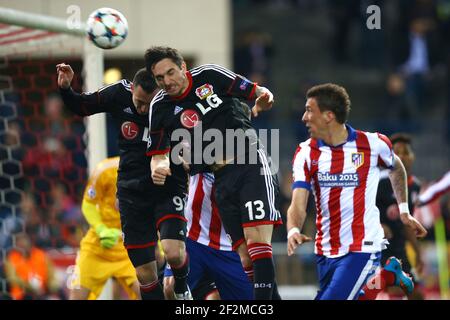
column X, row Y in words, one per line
column 357, row 159
column 204, row 91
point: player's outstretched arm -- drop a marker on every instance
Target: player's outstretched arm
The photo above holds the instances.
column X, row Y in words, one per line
column 398, row 179
column 86, row 103
column 296, row 216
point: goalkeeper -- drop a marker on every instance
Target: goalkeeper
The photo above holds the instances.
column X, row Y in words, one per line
column 102, row 253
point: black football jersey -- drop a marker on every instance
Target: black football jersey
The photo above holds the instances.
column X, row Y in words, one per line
column 212, row 101
column 133, row 133
column 389, row 212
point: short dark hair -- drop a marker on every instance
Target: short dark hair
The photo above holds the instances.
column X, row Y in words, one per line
column 400, row 137
column 144, row 79
column 331, row 97
column 156, row 54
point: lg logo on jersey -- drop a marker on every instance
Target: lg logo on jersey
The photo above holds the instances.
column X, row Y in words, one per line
column 190, row 118
column 213, row 101
column 206, row 92
column 129, row 130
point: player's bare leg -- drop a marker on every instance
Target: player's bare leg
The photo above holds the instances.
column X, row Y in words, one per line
column 148, row 280
column 213, row 295
column 246, row 261
column 177, row 258
column 168, row 284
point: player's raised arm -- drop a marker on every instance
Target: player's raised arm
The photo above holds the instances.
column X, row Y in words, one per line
column 239, row 86
column 65, row 75
column 86, row 103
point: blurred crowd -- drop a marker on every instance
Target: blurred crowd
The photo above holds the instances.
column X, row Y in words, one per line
column 44, row 172
column 42, row 150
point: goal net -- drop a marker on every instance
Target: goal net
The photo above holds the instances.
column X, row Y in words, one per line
column 45, row 151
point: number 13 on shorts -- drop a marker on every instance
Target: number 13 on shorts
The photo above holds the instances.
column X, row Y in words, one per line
column 255, row 206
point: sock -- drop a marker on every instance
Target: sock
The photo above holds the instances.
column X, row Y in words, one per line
column 249, row 272
column 180, row 274
column 275, row 293
column 376, row 284
column 151, row 291
column 264, row 273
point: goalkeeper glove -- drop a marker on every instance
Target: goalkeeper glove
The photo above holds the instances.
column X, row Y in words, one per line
column 108, row 236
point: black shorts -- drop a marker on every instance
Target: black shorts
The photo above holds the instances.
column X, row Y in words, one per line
column 142, row 213
column 247, row 195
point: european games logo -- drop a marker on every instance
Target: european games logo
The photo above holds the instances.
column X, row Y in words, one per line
column 338, row 180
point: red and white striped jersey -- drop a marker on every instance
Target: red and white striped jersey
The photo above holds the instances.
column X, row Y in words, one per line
column 204, row 224
column 344, row 181
column 435, row 190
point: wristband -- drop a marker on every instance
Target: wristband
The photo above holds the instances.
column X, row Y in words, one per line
column 292, row 231
column 403, row 207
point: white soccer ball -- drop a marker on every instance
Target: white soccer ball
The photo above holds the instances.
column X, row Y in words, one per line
column 107, row 28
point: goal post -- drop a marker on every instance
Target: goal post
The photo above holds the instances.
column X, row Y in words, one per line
column 30, row 47
column 93, row 69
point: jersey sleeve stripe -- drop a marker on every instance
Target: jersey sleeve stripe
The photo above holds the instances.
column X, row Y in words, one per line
column 126, row 84
column 157, row 152
column 159, row 96
column 253, row 92
column 213, row 67
column 223, row 71
column 109, row 85
column 383, row 164
column 225, row 74
column 385, row 140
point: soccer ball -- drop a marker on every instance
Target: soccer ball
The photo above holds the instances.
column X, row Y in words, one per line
column 107, row 28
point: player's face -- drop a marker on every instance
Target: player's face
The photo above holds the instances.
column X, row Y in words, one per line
column 314, row 119
column 142, row 99
column 170, row 77
column 404, row 152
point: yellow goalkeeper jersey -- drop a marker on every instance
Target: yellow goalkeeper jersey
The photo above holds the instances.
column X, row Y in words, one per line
column 101, row 191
